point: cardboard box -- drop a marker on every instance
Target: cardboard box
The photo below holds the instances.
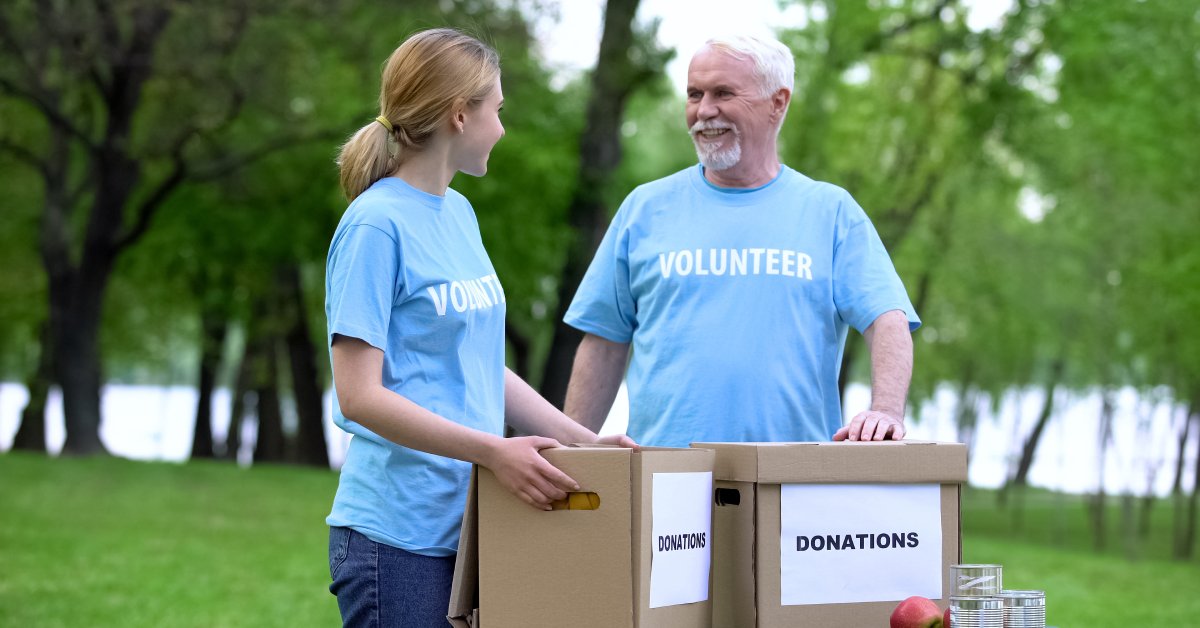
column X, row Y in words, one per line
column 625, row 564
column 832, row 534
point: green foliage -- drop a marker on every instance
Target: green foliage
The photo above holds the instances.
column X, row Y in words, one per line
column 946, row 136
column 1029, row 179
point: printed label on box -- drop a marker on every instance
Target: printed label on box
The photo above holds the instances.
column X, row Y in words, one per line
column 843, row 543
column 682, row 538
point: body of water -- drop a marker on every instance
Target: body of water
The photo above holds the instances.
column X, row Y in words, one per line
column 156, row 423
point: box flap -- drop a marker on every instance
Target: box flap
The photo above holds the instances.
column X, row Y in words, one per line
column 736, row 462
column 855, row 461
column 904, row 461
column 464, row 589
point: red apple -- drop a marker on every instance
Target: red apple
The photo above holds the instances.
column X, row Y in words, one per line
column 946, row 618
column 917, row 612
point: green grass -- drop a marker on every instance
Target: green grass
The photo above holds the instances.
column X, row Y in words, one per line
column 1044, row 541
column 110, row 542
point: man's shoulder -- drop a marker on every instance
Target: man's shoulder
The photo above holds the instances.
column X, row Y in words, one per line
column 819, row 189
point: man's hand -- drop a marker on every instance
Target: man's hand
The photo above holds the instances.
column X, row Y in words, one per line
column 872, row 425
column 526, row 474
column 620, row 440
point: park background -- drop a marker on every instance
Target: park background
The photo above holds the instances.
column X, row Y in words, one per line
column 167, row 193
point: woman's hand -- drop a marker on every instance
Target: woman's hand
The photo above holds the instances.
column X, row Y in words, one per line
column 526, row 474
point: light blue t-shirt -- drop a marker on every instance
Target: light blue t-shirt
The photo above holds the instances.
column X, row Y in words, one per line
column 736, row 303
column 407, row 273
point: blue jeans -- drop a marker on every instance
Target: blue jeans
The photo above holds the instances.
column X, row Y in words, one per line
column 380, row 586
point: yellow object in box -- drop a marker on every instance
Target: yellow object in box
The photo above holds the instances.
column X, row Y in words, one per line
column 577, row 501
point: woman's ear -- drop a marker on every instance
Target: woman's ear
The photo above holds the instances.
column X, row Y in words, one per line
column 458, row 115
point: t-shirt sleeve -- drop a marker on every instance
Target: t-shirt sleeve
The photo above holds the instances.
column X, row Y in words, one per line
column 363, row 285
column 865, row 283
column 603, row 304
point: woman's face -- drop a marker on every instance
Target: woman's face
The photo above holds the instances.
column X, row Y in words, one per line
column 481, row 129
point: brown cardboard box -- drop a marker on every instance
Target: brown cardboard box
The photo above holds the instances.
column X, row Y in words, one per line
column 518, row 567
column 751, row 480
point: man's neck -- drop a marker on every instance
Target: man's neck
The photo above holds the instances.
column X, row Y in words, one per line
column 745, row 174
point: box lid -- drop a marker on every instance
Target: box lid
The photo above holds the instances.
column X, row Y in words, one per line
column 908, row 461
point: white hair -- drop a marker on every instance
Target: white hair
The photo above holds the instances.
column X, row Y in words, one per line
column 774, row 66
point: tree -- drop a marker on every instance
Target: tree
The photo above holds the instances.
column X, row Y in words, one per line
column 131, row 99
column 627, row 61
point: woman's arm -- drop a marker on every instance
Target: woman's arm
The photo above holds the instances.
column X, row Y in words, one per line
column 529, row 412
column 358, row 378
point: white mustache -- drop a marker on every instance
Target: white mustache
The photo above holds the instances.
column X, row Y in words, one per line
column 712, row 125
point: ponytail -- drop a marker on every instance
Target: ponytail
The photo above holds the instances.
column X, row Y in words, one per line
column 364, row 159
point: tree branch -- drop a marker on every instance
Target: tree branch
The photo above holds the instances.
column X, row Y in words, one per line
column 24, row 155
column 224, row 167
column 877, row 40
column 149, row 206
column 47, row 109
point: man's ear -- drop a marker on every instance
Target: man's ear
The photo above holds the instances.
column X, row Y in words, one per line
column 779, row 103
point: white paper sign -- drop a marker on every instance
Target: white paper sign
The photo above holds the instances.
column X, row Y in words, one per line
column 681, row 534
column 843, row 543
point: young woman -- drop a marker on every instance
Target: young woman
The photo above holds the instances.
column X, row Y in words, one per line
column 416, row 325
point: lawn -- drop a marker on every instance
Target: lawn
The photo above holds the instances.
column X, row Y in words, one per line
column 110, row 542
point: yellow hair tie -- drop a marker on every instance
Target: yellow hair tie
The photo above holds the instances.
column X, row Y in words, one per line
column 384, row 121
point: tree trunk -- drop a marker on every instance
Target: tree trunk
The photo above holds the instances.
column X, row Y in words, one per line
column 968, row 413
column 302, row 361
column 1021, row 476
column 31, row 435
column 213, row 329
column 237, row 404
column 613, row 80
column 1188, row 413
column 269, row 447
column 1188, row 538
column 1099, row 505
column 75, row 322
column 522, row 356
column 1180, row 519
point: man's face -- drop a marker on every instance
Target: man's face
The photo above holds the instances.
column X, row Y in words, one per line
column 728, row 117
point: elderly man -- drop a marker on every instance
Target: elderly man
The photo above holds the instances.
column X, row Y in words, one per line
column 736, row 281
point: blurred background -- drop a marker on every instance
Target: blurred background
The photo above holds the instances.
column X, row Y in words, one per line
column 168, row 191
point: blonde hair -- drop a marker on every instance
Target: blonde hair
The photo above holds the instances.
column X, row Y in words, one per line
column 429, row 74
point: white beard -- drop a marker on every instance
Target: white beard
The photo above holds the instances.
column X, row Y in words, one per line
column 713, row 157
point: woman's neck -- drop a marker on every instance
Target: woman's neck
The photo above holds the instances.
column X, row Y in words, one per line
column 427, row 169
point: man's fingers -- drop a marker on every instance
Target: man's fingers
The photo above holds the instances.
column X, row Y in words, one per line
column 870, row 426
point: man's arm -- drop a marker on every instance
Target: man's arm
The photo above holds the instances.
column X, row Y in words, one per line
column 891, row 348
column 595, row 378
